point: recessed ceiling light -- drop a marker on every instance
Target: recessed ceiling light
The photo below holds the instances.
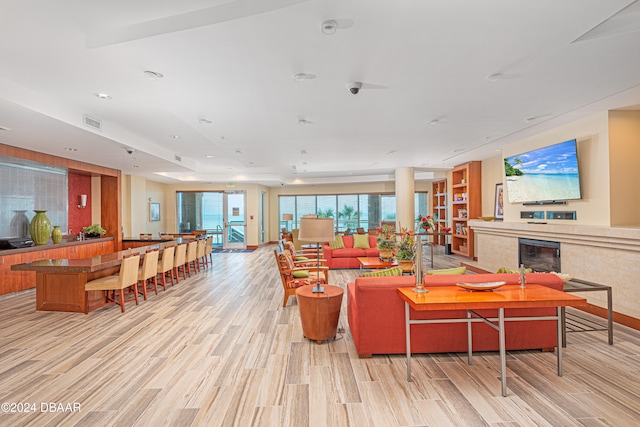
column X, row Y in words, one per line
column 434, row 122
column 303, row 152
column 329, row 27
column 102, row 95
column 238, row 152
column 152, row 75
column 251, row 163
column 5, row 128
column 209, row 156
column 300, row 77
column 134, row 166
column 71, row 149
column 204, row 121
column 495, row 77
column 392, row 152
column 174, row 136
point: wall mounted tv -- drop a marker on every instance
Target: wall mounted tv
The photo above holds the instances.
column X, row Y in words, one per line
column 547, row 174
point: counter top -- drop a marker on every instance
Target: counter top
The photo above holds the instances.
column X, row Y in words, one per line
column 50, row 245
column 85, row 265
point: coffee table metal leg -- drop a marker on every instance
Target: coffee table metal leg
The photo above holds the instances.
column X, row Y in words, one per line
column 503, row 353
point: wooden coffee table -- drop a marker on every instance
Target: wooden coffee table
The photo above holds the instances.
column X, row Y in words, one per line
column 371, row 263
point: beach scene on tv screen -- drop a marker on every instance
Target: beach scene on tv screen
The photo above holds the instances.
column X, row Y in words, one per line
column 549, row 173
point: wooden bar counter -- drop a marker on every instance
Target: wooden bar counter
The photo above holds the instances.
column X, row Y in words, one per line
column 60, row 282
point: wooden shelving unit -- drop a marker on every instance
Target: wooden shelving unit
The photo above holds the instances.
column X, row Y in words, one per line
column 439, row 203
column 466, row 202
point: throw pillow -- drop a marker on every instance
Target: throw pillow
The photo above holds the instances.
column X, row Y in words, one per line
column 337, row 243
column 361, row 241
column 300, row 274
column 393, row 271
column 456, row 270
column 512, row 270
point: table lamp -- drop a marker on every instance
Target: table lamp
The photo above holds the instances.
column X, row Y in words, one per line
column 287, row 217
column 316, row 230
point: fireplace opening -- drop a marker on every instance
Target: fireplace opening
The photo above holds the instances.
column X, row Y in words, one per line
column 539, row 255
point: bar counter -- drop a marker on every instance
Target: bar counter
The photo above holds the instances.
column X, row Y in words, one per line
column 60, row 282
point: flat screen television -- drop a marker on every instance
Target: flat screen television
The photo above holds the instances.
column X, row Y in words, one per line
column 544, row 175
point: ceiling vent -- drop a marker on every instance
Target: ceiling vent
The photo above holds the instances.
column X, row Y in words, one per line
column 92, row 123
column 178, row 158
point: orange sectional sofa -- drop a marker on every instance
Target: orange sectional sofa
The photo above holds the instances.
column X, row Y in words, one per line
column 376, row 318
column 348, row 257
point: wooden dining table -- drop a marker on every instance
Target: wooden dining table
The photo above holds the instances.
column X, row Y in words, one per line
column 60, row 282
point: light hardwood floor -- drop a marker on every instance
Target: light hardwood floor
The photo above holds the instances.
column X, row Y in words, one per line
column 219, row 349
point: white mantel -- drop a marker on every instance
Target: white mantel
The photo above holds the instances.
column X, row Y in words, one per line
column 607, row 255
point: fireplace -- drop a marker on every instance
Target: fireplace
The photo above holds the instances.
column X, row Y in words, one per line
column 539, row 255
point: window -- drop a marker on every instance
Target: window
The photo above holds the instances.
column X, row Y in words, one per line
column 348, row 210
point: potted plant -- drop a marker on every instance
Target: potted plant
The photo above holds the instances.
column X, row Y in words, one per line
column 406, row 249
column 94, row 230
column 386, row 242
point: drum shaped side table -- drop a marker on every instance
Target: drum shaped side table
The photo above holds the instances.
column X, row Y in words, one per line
column 319, row 312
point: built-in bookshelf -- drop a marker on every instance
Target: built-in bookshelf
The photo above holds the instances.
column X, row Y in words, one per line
column 439, row 202
column 466, row 203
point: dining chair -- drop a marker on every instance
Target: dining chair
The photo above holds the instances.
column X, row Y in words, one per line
column 165, row 266
column 148, row 272
column 125, row 279
column 146, row 236
column 179, row 260
column 360, row 230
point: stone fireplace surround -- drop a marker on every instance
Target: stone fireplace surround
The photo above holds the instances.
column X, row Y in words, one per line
column 606, row 255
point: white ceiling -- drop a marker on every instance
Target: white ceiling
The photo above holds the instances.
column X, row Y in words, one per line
column 430, row 105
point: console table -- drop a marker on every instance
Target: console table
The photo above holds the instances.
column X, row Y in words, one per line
column 507, row 296
column 578, row 285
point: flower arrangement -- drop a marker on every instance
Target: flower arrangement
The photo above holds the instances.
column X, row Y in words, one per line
column 426, row 222
column 386, row 238
column 407, row 245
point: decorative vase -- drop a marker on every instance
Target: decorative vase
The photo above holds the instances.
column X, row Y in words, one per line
column 56, row 234
column 40, row 228
column 19, row 224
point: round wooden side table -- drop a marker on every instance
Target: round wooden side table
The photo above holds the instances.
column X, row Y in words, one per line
column 319, row 312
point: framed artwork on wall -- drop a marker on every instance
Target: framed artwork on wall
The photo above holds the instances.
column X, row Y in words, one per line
column 154, row 211
column 499, row 202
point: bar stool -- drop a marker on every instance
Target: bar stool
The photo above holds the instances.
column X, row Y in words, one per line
column 165, row 266
column 127, row 278
column 179, row 259
column 208, row 250
column 148, row 272
column 200, row 259
column 192, row 247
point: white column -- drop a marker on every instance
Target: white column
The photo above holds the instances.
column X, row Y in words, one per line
column 405, row 189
